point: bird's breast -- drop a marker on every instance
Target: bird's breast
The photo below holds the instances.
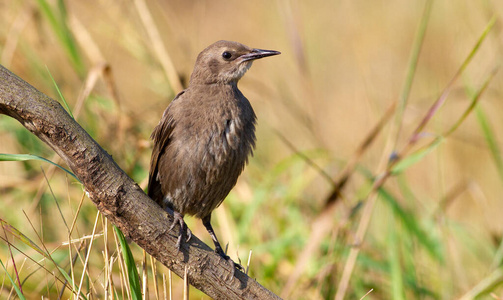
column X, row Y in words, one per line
column 232, row 135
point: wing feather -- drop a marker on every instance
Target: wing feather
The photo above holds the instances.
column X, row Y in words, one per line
column 161, row 137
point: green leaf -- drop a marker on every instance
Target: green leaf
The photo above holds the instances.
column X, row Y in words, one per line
column 408, row 161
column 60, row 94
column 395, row 266
column 412, row 225
column 57, row 19
column 18, row 290
column 24, row 157
column 23, row 238
column 134, row 279
column 69, row 279
column 413, row 60
column 490, row 138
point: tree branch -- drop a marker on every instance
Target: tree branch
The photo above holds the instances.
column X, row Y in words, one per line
column 118, row 197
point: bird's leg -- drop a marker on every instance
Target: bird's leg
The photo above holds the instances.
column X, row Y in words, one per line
column 218, row 248
column 178, row 218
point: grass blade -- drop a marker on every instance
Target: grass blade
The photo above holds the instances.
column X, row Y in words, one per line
column 491, row 141
column 25, row 157
column 57, row 20
column 405, row 163
column 134, row 279
column 18, row 291
column 412, row 225
column 393, row 243
column 495, row 150
column 60, row 94
column 415, row 157
column 474, row 102
column 23, row 238
column 443, row 97
column 412, row 65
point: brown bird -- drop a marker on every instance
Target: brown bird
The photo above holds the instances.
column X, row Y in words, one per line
column 204, row 138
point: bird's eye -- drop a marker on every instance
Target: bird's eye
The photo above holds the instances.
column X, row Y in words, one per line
column 226, row 55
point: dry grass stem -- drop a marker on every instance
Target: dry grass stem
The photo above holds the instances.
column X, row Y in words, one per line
column 158, row 45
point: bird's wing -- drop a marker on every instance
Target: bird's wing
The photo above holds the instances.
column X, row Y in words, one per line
column 161, row 137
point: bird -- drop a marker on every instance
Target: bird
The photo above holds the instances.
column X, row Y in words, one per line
column 204, row 138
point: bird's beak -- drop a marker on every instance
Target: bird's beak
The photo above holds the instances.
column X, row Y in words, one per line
column 259, row 53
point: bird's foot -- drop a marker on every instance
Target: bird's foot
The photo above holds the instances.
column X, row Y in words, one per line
column 184, row 230
column 234, row 266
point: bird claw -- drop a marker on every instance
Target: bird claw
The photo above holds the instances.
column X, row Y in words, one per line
column 178, row 244
column 184, row 230
column 233, row 265
column 173, row 225
column 189, row 235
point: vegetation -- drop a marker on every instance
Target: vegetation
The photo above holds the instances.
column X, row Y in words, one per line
column 378, row 172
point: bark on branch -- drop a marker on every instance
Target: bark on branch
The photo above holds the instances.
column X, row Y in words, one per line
column 118, row 197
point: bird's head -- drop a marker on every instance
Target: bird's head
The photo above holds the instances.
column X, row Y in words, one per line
column 225, row 62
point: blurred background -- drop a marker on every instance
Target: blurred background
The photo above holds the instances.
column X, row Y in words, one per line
column 434, row 227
